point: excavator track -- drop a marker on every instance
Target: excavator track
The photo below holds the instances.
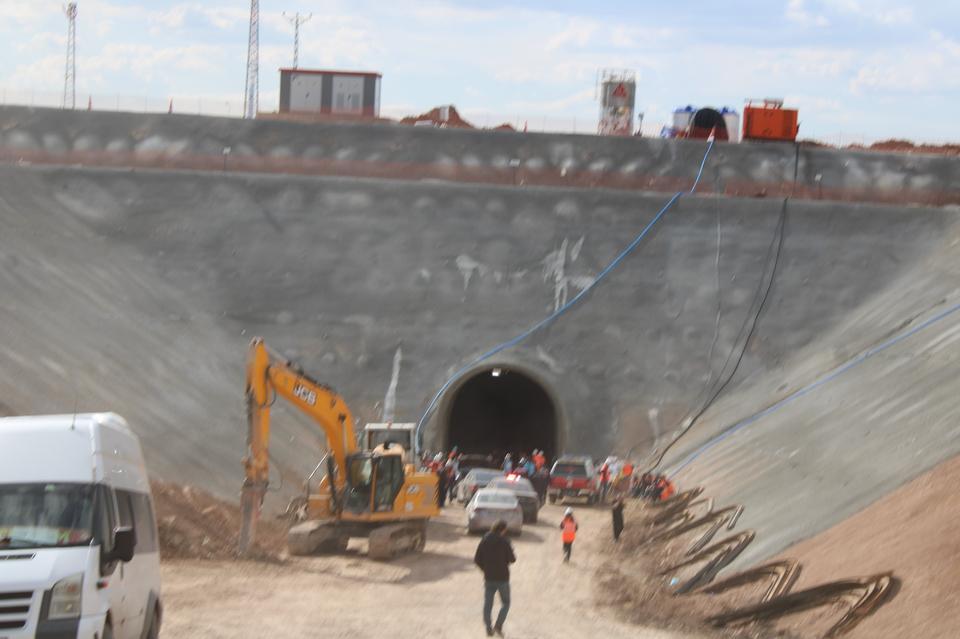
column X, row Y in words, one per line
column 315, row 537
column 391, row 540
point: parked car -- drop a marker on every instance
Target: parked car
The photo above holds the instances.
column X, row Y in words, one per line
column 474, row 481
column 574, row 477
column 524, row 492
column 78, row 537
column 489, row 506
column 469, row 461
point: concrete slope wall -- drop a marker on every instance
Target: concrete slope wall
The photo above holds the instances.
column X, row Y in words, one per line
column 156, row 281
column 402, row 152
column 830, row 453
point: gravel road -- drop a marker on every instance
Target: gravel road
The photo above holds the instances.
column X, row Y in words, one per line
column 437, row 594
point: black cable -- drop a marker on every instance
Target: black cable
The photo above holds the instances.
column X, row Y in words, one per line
column 775, row 245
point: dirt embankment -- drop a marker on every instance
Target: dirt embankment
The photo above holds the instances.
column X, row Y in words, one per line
column 652, row 562
column 912, row 532
column 891, row 146
column 633, row 586
column 193, row 524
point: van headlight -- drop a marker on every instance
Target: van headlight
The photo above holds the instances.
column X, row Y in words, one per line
column 66, row 597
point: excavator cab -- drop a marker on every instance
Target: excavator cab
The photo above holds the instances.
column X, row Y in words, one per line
column 373, row 482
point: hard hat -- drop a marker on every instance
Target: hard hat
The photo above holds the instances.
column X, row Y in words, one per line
column 568, row 512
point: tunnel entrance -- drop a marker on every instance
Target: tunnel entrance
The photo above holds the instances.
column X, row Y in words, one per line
column 498, row 411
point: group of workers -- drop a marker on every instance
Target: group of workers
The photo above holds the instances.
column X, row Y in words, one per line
column 654, row 487
column 526, row 466
column 447, row 468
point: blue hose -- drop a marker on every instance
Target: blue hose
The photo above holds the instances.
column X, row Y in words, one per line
column 829, row 377
column 550, row 319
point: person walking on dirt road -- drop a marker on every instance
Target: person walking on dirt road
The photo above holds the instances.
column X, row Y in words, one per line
column 568, row 534
column 494, row 556
column 617, row 518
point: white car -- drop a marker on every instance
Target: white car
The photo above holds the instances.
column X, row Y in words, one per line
column 476, row 479
column 489, row 506
column 78, row 537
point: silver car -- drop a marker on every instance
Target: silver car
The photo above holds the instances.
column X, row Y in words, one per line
column 489, row 506
column 524, row 492
column 476, row 479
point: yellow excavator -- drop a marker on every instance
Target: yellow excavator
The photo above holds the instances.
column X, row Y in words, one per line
column 362, row 493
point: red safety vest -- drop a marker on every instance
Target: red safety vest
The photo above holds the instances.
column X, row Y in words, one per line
column 569, row 530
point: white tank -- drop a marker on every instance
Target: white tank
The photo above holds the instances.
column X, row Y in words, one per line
column 732, row 119
column 682, row 117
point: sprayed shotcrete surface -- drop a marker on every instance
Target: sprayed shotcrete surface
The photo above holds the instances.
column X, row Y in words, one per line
column 138, row 291
column 493, row 157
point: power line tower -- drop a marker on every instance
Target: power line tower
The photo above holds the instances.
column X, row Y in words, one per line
column 251, row 95
column 296, row 20
column 70, row 75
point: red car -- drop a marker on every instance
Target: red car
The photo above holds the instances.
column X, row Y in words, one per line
column 574, row 477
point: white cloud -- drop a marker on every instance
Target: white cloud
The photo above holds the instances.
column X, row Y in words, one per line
column 879, row 11
column 580, row 98
column 930, row 70
column 447, row 13
column 797, row 12
column 42, row 74
column 42, row 41
column 577, row 33
column 29, row 12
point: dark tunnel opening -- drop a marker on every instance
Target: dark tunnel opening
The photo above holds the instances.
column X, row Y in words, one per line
column 500, row 411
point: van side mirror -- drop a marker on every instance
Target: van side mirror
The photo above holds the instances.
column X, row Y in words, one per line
column 124, row 542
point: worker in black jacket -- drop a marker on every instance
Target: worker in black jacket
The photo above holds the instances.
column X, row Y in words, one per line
column 494, row 556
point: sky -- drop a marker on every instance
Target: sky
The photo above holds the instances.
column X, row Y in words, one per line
column 858, row 70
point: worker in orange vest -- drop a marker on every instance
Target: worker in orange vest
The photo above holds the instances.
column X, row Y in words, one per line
column 666, row 488
column 626, row 478
column 539, row 460
column 568, row 534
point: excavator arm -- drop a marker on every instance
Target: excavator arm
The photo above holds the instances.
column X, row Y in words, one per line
column 269, row 377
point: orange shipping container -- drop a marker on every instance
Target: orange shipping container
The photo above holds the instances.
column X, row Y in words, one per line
column 765, row 123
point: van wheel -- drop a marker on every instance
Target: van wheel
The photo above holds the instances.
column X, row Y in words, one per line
column 154, row 628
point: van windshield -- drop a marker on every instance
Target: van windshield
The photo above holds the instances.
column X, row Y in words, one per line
column 45, row 515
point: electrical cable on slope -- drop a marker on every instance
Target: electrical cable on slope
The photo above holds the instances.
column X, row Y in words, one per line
column 711, row 379
column 829, row 377
column 796, row 174
column 763, row 292
column 836, row 372
column 418, row 437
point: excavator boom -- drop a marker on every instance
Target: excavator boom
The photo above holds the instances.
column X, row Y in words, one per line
column 269, row 376
column 370, row 493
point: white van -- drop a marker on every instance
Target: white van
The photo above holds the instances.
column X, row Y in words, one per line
column 78, row 537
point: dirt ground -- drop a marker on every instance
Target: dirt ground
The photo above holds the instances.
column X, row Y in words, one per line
column 193, row 524
column 437, row 594
column 911, row 532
